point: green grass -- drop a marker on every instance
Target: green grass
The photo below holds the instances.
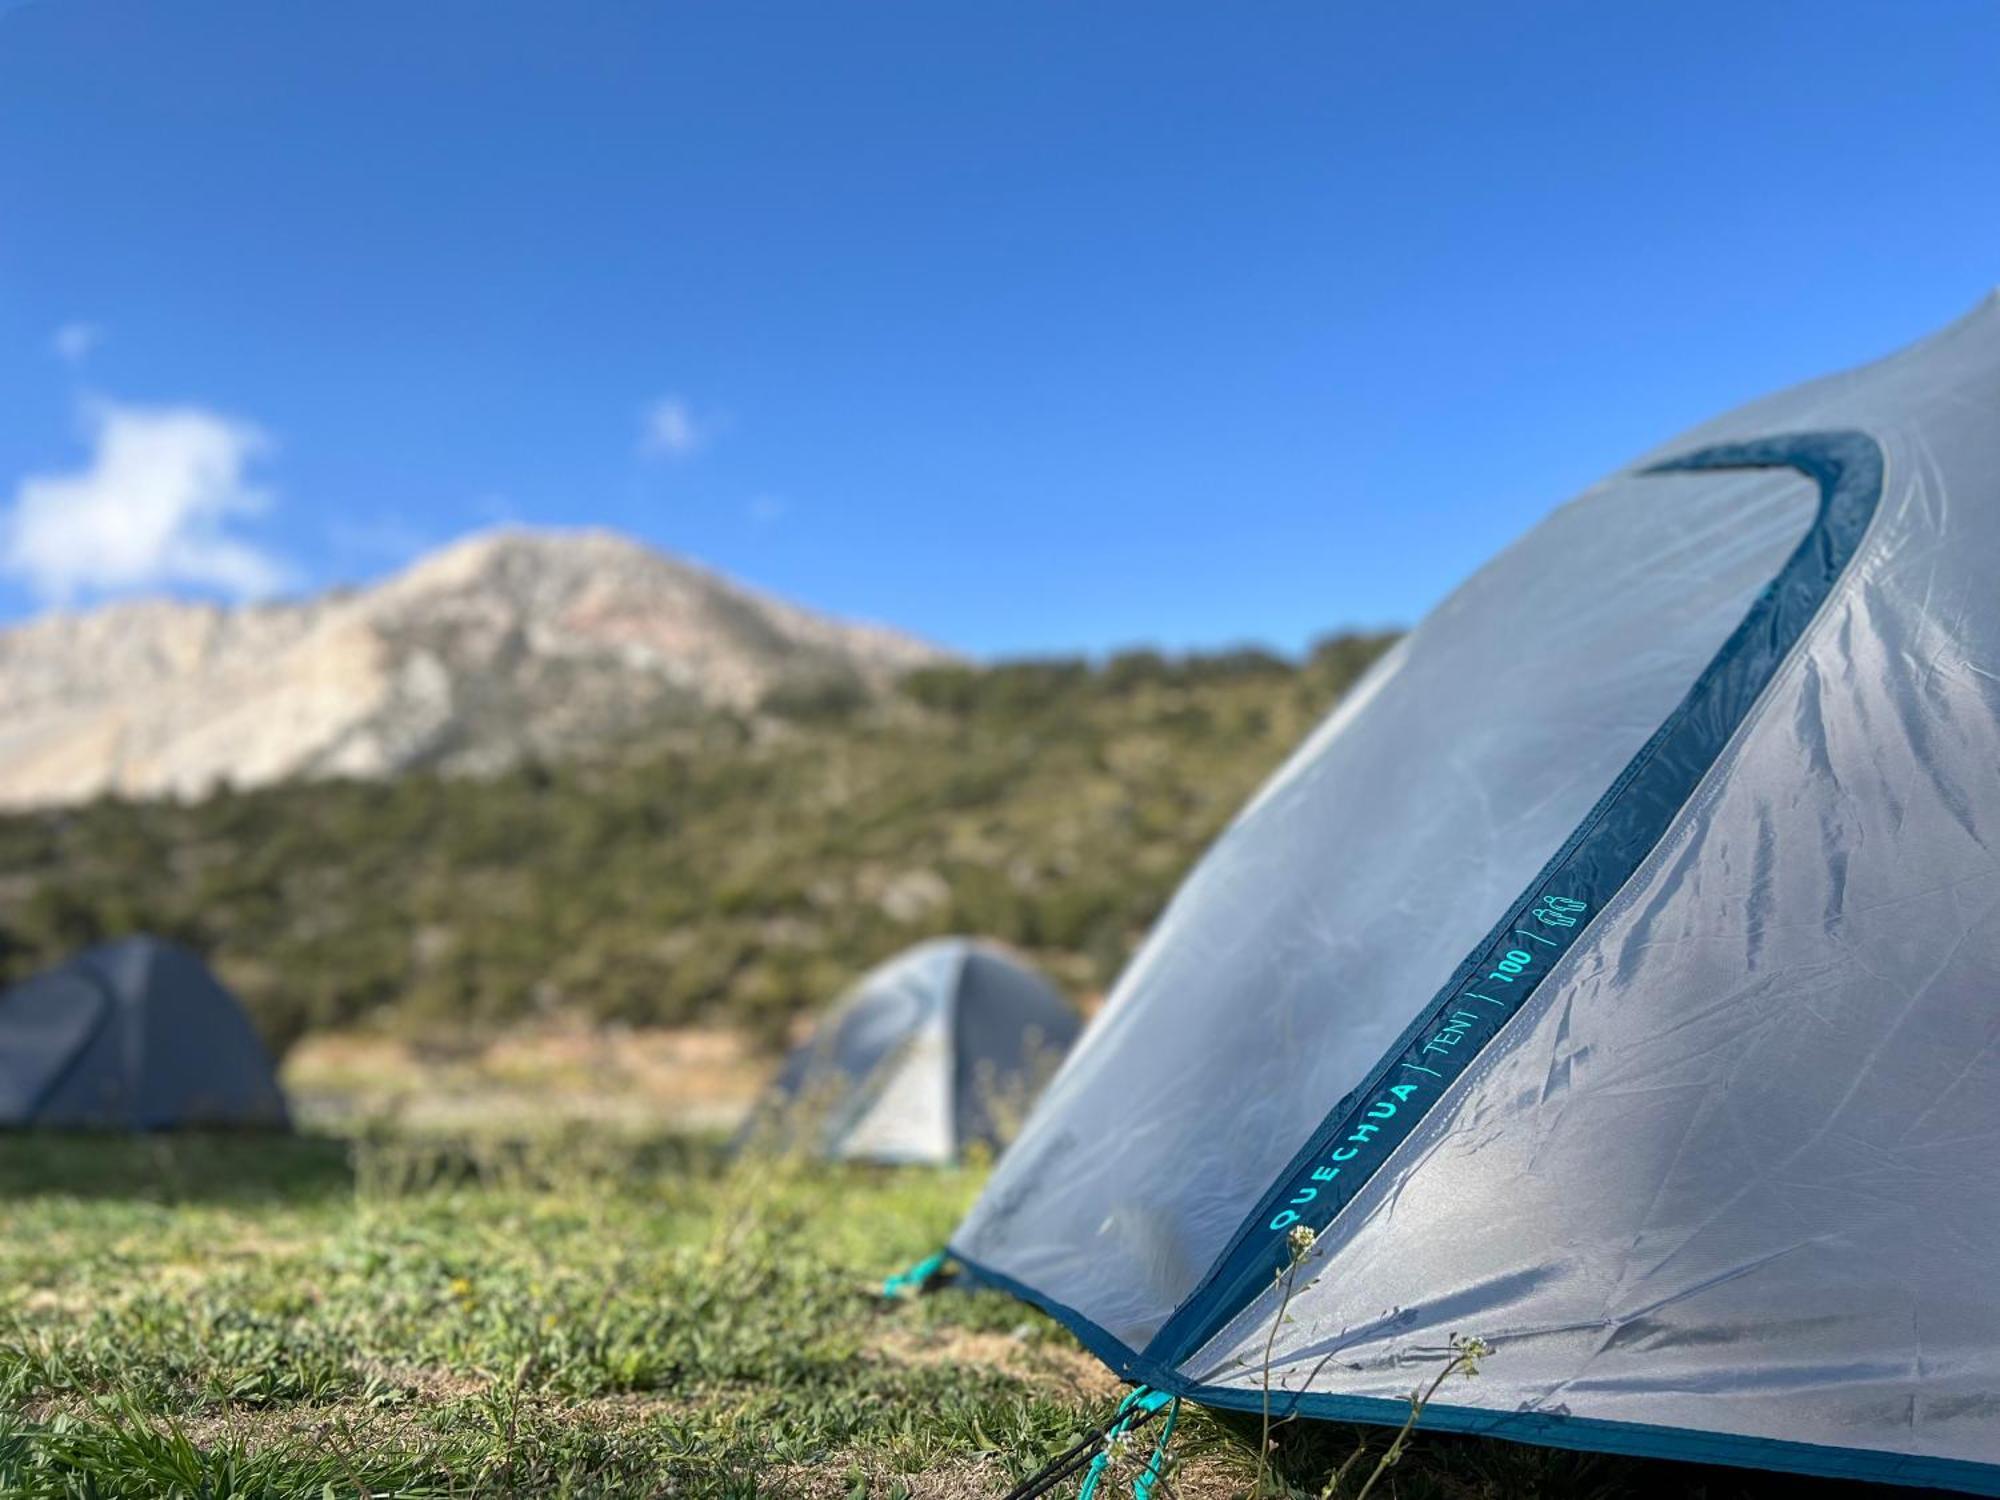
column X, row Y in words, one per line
column 266, row 1317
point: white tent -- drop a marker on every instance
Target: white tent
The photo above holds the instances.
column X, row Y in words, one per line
column 1615, row 976
column 941, row 1047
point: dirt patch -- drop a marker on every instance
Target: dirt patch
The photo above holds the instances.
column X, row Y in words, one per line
column 984, row 1477
column 250, row 1428
column 48, row 1301
column 685, row 1078
column 968, row 1479
column 1054, row 1366
column 353, row 1430
column 426, row 1382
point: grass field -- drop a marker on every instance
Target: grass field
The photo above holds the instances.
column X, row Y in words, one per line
column 586, row 1313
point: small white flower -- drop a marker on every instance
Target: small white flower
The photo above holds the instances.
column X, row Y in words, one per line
column 1301, row 1240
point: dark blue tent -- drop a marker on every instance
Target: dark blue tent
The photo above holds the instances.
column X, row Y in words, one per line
column 132, row 1035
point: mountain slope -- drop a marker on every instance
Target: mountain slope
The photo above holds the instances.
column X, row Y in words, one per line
column 717, row 875
column 507, row 644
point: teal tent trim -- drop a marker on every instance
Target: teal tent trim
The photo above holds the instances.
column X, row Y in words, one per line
column 1632, row 1439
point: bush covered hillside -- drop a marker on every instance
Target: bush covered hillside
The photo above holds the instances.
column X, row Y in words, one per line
column 739, row 871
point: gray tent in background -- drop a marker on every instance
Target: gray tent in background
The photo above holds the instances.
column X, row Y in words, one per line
column 1615, row 975
column 936, row 1049
column 132, row 1035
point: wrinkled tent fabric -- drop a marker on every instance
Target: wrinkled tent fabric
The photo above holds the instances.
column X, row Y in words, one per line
column 1614, row 976
column 939, row 1048
column 133, row 1035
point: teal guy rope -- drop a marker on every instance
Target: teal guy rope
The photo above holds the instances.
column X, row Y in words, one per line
column 1075, row 1457
column 1142, row 1487
column 913, row 1280
column 1142, row 1401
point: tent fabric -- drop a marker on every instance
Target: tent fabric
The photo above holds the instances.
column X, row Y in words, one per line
column 135, row 1034
column 939, row 1048
column 908, row 1114
column 1612, row 977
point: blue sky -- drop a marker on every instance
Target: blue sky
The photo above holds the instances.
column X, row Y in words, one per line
column 1026, row 326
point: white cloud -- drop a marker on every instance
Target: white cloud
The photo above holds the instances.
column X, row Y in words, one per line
column 766, row 510
column 668, row 429
column 152, row 507
column 73, row 342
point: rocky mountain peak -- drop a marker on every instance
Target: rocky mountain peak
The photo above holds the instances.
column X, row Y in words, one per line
column 506, row 643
